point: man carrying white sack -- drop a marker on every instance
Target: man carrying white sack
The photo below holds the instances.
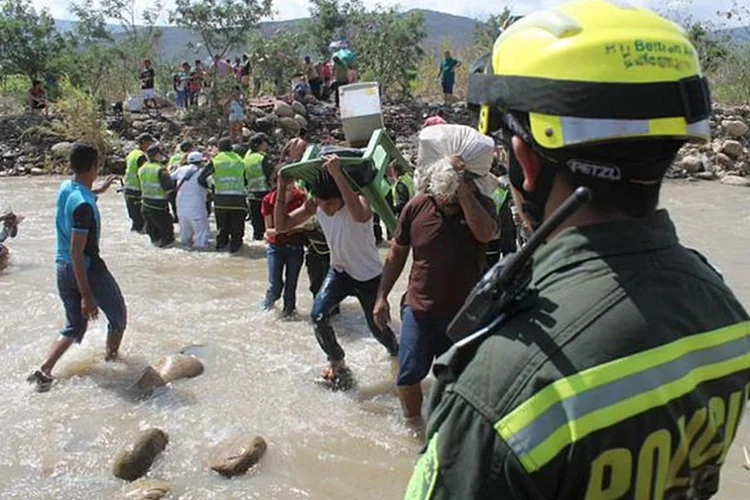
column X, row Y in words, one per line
column 447, row 224
column 192, row 190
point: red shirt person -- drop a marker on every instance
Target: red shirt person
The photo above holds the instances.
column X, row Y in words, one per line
column 285, row 250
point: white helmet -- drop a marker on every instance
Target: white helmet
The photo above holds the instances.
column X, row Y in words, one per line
column 195, row 157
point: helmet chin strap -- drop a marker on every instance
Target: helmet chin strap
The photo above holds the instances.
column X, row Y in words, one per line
column 535, row 201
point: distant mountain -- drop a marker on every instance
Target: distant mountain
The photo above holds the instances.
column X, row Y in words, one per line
column 454, row 31
column 741, row 34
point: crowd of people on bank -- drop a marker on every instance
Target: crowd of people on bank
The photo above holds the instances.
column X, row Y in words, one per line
column 319, row 79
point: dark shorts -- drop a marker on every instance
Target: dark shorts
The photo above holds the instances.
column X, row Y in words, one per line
column 422, row 340
column 106, row 293
column 448, row 85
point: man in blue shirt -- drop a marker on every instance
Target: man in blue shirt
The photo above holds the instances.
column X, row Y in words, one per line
column 83, row 280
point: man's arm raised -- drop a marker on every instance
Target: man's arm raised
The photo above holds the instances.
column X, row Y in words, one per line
column 357, row 205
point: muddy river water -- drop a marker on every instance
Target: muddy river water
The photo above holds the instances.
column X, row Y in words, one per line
column 259, row 369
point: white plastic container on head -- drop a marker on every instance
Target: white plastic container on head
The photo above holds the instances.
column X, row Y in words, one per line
column 360, row 110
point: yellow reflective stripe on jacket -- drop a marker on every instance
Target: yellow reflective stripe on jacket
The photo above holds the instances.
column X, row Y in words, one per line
column 423, row 481
column 574, row 407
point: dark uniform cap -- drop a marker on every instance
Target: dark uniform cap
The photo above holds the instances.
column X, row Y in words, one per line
column 145, row 137
column 155, row 149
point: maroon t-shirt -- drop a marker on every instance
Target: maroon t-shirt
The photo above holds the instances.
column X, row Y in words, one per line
column 447, row 260
column 268, row 206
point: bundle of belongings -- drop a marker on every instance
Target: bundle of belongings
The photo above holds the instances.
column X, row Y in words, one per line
column 435, row 174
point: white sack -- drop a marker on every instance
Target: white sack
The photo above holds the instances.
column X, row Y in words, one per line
column 437, row 144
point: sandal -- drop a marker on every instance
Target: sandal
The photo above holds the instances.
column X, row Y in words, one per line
column 43, row 381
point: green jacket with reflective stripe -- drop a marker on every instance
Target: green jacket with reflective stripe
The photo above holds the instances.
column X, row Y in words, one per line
column 624, row 375
column 229, row 181
column 176, row 160
column 154, row 195
column 132, row 183
column 256, row 179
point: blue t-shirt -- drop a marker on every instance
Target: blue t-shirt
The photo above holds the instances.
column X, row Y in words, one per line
column 77, row 213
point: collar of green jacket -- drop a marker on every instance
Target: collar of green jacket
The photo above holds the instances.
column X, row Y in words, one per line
column 576, row 245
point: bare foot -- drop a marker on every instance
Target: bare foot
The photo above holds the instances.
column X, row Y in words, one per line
column 416, row 426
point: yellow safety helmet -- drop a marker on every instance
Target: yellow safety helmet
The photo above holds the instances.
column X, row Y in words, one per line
column 594, row 71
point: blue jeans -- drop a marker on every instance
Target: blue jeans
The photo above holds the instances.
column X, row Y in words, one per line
column 281, row 258
column 106, row 293
column 181, row 99
column 336, row 287
column 422, row 340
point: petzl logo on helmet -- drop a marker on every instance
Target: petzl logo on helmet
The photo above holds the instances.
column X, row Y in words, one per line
column 594, row 170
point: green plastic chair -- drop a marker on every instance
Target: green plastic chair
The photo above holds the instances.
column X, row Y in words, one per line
column 378, row 155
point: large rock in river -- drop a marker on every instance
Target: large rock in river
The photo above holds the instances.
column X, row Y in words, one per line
column 236, row 456
column 148, row 381
column 178, row 366
column 130, row 464
column 147, row 489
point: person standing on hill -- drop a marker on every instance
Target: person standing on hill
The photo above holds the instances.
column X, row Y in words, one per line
column 313, row 77
column 132, row 186
column 340, row 77
column 83, row 281
column 147, row 77
column 447, row 75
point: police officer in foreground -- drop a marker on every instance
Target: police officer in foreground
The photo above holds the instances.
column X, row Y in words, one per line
column 624, row 369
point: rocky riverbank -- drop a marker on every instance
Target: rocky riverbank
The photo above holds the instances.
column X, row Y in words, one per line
column 726, row 157
column 29, row 144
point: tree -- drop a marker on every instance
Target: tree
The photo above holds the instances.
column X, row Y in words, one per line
column 222, row 24
column 275, row 57
column 331, row 20
column 711, row 50
column 114, row 56
column 389, row 46
column 28, row 39
column 487, row 32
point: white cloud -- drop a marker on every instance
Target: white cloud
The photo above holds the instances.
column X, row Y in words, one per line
column 290, row 9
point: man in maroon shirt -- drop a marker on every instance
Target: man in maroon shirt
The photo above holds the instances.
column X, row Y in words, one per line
column 448, row 236
column 285, row 249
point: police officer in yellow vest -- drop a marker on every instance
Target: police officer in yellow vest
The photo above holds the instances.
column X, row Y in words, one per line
column 156, row 185
column 624, row 370
column 132, row 186
column 230, row 183
column 258, row 171
column 179, row 158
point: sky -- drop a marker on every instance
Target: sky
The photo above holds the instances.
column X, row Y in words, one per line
column 704, row 10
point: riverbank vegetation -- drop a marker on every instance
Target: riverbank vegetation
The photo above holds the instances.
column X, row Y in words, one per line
column 102, row 64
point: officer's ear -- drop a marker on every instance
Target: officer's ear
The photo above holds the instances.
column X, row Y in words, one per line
column 530, row 163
